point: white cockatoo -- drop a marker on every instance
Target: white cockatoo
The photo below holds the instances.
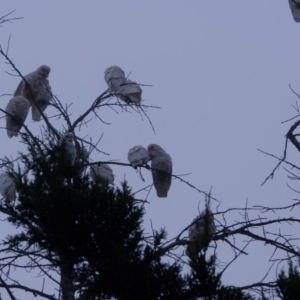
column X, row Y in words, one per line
column 102, row 172
column 202, row 228
column 161, row 163
column 17, row 110
column 68, row 139
column 114, row 77
column 130, row 92
column 38, row 92
column 138, row 156
column 295, row 9
column 7, row 187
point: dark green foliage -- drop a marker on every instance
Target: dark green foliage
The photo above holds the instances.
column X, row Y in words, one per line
column 205, row 283
column 92, row 232
column 289, row 285
column 66, row 214
column 90, row 229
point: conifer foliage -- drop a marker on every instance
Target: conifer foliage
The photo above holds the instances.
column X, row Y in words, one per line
column 90, row 229
column 288, row 285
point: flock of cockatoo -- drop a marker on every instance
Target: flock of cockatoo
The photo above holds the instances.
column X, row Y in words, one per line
column 138, row 156
column 295, row 9
column 161, row 166
column 126, row 90
column 35, row 92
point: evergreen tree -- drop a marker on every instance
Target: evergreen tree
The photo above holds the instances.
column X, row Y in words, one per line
column 92, row 232
column 289, row 285
column 205, row 282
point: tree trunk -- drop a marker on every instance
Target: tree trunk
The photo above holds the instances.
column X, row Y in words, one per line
column 66, row 283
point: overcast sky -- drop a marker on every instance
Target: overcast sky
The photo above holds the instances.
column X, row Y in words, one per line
column 219, row 70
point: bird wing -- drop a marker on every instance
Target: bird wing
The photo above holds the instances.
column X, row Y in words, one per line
column 162, row 175
column 43, row 99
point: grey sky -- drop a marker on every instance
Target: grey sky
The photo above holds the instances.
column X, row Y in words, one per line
column 220, row 72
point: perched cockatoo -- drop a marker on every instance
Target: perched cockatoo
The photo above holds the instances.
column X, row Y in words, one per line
column 102, row 172
column 114, row 77
column 130, row 92
column 201, row 230
column 138, row 156
column 68, row 139
column 295, row 9
column 126, row 89
column 17, row 110
column 38, row 92
column 7, row 187
column 162, row 169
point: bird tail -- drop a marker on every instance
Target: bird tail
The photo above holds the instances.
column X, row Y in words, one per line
column 12, row 128
column 162, row 193
column 36, row 114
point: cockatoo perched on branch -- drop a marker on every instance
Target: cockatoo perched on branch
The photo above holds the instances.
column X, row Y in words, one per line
column 201, row 230
column 138, row 156
column 114, row 77
column 7, row 187
column 162, row 169
column 130, row 92
column 102, row 172
column 68, row 139
column 38, row 93
column 295, row 9
column 126, row 89
column 17, row 110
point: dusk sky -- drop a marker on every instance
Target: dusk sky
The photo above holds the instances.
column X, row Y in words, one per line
column 219, row 70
